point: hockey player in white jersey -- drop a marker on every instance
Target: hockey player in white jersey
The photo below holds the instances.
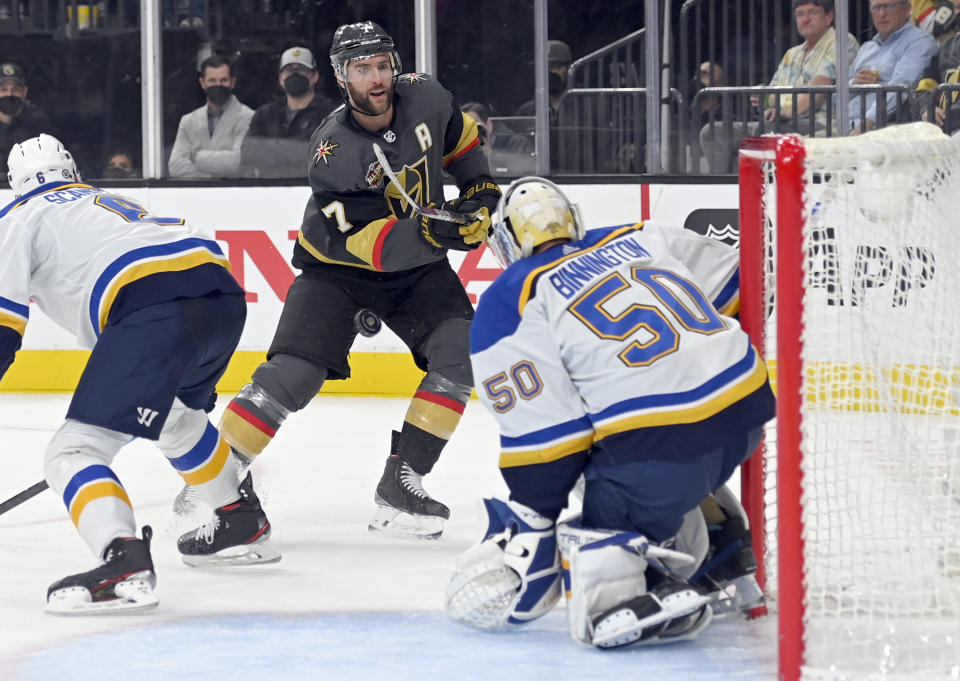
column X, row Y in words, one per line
column 153, row 299
column 611, row 354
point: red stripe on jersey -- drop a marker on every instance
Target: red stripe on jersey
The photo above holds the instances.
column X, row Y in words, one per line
column 460, row 153
column 440, row 400
column 377, row 259
column 251, row 419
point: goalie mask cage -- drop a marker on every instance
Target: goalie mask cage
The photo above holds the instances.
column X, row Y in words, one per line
column 850, row 250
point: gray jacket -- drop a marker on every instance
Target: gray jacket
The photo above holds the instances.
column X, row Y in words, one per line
column 196, row 154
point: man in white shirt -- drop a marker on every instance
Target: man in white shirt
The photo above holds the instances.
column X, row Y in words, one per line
column 209, row 138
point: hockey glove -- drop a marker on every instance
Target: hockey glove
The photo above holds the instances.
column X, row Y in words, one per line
column 444, row 234
column 480, row 199
column 512, row 576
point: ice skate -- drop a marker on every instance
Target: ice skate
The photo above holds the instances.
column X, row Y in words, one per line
column 188, row 500
column 672, row 611
column 123, row 583
column 237, row 534
column 404, row 507
column 729, row 571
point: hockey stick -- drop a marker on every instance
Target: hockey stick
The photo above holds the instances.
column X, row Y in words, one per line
column 435, row 213
column 26, row 494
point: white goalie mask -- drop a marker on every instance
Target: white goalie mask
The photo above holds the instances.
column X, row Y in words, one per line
column 38, row 161
column 532, row 212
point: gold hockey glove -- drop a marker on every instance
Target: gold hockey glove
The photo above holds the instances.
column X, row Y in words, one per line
column 444, row 234
column 480, row 199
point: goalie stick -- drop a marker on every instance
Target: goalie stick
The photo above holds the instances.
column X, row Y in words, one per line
column 26, row 494
column 435, row 213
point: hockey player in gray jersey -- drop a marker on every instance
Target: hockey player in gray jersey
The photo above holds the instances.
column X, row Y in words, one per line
column 153, row 299
column 611, row 354
column 362, row 246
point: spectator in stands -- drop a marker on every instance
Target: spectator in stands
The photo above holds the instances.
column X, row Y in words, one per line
column 120, row 164
column 897, row 55
column 812, row 62
column 19, row 119
column 184, row 13
column 559, row 59
column 209, row 138
column 510, row 153
column 276, row 144
column 945, row 69
column 710, row 74
column 481, row 114
column 936, row 17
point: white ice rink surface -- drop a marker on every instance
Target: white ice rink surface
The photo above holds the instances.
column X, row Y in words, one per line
column 342, row 604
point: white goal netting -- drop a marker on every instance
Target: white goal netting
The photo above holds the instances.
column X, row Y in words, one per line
column 880, row 411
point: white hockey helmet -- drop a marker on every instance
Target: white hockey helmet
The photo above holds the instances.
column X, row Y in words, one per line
column 37, row 161
column 532, row 212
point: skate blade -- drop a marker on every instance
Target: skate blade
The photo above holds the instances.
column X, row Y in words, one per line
column 246, row 554
column 704, row 618
column 395, row 523
column 133, row 596
column 738, row 596
column 623, row 628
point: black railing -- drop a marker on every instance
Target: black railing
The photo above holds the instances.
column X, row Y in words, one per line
column 951, row 115
column 746, row 39
column 619, row 64
column 603, row 130
column 736, row 112
column 68, row 19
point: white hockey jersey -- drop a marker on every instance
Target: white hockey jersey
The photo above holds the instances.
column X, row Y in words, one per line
column 73, row 248
column 617, row 332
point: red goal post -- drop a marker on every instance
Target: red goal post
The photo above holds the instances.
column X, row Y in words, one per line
column 849, row 277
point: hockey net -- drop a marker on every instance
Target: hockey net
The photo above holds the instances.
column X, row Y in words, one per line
column 850, row 287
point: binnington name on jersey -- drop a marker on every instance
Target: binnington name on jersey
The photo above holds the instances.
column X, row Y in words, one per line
column 571, row 277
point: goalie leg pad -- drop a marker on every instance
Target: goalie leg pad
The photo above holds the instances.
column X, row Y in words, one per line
column 606, row 583
column 596, row 579
column 512, row 576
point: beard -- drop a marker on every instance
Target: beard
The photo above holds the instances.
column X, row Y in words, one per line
column 366, row 104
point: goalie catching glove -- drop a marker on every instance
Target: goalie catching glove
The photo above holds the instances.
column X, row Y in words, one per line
column 478, row 201
column 512, row 576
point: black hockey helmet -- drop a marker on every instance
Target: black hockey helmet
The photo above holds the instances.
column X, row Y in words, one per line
column 361, row 41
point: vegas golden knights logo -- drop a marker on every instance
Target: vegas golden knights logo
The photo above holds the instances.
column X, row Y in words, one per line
column 416, row 181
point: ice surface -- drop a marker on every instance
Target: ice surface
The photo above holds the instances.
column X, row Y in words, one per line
column 343, row 603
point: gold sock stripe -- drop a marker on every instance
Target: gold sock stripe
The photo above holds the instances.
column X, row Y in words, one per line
column 212, row 468
column 243, row 435
column 98, row 490
column 434, row 418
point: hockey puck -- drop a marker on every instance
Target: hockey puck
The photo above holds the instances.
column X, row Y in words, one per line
column 367, row 323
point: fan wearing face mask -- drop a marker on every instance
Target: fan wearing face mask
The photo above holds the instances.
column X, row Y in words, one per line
column 559, row 59
column 19, row 119
column 276, row 144
column 209, row 138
